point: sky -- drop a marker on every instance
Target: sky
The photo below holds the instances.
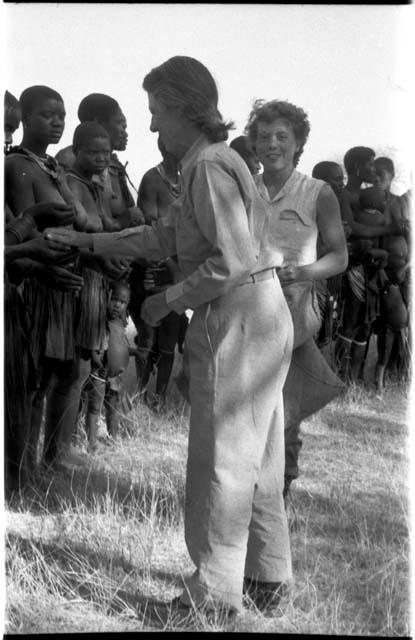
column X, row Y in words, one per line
column 347, row 66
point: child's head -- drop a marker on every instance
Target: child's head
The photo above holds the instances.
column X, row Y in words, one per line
column 385, row 173
column 99, row 107
column 92, row 148
column 12, row 118
column 242, row 145
column 373, row 198
column 119, row 299
column 359, row 162
column 330, row 172
column 43, row 114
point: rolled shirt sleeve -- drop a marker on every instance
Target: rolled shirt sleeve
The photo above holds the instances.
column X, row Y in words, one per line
column 218, row 205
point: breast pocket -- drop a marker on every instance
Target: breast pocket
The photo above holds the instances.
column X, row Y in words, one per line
column 294, row 217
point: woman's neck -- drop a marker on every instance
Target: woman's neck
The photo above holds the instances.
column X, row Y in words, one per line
column 35, row 146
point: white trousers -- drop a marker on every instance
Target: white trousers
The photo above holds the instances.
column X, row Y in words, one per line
column 237, row 351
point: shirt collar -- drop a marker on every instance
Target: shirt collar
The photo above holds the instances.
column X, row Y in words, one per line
column 287, row 187
column 190, row 156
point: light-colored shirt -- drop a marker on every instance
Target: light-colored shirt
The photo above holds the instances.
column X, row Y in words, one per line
column 214, row 227
column 291, row 232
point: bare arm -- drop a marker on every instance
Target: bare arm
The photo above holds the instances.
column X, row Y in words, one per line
column 19, row 184
column 334, row 257
column 147, row 197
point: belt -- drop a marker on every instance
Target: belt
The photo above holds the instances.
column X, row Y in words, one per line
column 266, row 274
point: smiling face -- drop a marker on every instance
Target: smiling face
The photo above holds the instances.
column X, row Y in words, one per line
column 94, row 155
column 276, row 145
column 170, row 124
column 47, row 121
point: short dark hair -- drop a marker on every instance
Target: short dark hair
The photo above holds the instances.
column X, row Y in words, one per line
column 268, row 112
column 242, row 145
column 386, row 163
column 118, row 284
column 97, row 106
column 185, row 83
column 87, row 131
column 356, row 157
column 32, row 97
column 322, row 169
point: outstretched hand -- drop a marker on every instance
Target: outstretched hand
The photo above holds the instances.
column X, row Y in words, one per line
column 115, row 267
column 51, row 214
column 75, row 239
column 49, row 251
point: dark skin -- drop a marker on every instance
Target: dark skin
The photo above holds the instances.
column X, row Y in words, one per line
column 26, row 184
column 153, row 195
column 34, row 246
column 351, row 206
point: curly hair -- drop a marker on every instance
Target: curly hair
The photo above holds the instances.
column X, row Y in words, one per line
column 185, row 83
column 268, row 112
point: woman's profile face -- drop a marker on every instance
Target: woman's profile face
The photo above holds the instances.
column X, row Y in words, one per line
column 276, row 145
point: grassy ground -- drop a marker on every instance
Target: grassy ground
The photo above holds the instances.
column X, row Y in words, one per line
column 93, row 549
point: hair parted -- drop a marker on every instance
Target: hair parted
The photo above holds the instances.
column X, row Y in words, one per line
column 385, row 163
column 356, row 157
column 97, row 106
column 32, row 97
column 185, row 83
column 272, row 110
column 322, row 169
column 87, row 131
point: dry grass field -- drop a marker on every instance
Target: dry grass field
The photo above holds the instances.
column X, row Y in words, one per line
column 94, row 548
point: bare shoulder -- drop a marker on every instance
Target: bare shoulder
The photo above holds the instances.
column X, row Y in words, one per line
column 326, row 195
column 66, row 157
column 150, row 178
column 18, row 163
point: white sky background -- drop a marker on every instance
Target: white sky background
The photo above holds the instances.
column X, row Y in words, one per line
column 349, row 67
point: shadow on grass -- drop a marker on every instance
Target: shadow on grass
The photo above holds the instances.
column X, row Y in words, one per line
column 92, row 576
column 379, row 517
column 87, row 486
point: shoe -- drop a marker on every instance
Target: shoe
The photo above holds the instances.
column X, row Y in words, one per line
column 265, row 596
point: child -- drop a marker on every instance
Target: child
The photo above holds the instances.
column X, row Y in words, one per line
column 105, row 381
column 242, row 145
column 91, row 147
